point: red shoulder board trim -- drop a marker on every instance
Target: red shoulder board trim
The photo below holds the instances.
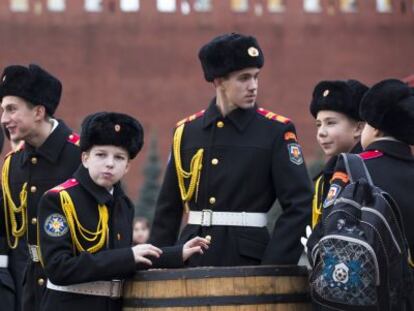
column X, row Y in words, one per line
column 372, row 154
column 74, row 138
column 67, row 184
column 273, row 116
column 190, row 118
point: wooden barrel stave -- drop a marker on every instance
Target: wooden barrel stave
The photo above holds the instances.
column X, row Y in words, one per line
column 219, row 289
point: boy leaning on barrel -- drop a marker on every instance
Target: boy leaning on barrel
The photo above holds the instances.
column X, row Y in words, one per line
column 85, row 224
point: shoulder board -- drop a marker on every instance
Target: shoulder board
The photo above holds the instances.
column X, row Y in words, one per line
column 371, row 154
column 190, row 118
column 273, row 116
column 67, row 184
column 20, row 147
column 74, row 138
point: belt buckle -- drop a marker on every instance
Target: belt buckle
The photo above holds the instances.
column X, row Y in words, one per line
column 34, row 253
column 115, row 290
column 206, row 217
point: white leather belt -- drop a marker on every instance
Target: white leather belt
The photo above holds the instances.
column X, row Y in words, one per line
column 4, row 261
column 112, row 289
column 208, row 218
column 34, row 252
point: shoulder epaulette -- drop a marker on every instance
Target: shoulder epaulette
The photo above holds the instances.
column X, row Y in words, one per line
column 67, row 184
column 273, row 116
column 74, row 138
column 190, row 118
column 371, row 154
column 20, row 147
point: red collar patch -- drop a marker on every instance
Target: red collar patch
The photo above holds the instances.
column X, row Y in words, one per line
column 74, row 138
column 371, row 154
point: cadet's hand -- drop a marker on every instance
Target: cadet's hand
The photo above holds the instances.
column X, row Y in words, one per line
column 195, row 245
column 142, row 250
column 304, row 240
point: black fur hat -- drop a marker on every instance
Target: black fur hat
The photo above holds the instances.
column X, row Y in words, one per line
column 33, row 84
column 229, row 52
column 340, row 96
column 389, row 107
column 112, row 128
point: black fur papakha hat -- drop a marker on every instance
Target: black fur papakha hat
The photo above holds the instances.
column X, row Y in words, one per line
column 389, row 107
column 112, row 128
column 339, row 96
column 33, row 84
column 229, row 52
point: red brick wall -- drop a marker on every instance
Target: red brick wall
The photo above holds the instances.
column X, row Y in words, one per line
column 145, row 63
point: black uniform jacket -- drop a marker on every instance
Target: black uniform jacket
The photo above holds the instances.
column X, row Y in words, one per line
column 251, row 158
column 42, row 168
column 115, row 260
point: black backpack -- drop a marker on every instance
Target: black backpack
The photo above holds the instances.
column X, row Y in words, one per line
column 361, row 260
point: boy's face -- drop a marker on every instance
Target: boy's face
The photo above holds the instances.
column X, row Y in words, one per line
column 141, row 233
column 20, row 118
column 336, row 132
column 106, row 164
column 240, row 87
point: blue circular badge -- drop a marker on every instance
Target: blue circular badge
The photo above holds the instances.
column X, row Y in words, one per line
column 56, row 225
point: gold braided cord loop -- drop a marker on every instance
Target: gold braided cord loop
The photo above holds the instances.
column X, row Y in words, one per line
column 193, row 174
column 317, row 202
column 75, row 227
column 11, row 210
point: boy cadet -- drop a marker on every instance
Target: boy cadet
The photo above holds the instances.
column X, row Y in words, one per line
column 50, row 154
column 229, row 163
column 388, row 109
column 85, row 224
column 335, row 107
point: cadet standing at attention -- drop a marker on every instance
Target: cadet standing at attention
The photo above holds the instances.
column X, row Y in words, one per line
column 49, row 155
column 228, row 165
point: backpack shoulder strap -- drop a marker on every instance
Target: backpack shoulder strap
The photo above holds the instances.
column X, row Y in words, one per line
column 355, row 167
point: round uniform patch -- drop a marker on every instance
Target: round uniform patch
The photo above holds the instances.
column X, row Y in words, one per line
column 56, row 225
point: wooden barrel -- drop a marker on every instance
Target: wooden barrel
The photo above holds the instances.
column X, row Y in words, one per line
column 279, row 288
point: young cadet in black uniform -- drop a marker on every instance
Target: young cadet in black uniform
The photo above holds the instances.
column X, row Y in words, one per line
column 228, row 165
column 335, row 106
column 50, row 154
column 388, row 109
column 85, row 224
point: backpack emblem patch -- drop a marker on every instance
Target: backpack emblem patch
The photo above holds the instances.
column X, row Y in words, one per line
column 333, row 192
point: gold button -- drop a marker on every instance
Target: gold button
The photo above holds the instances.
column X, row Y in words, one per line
column 34, row 220
column 212, row 200
column 41, row 282
column 220, row 124
column 33, row 189
column 214, row 161
column 34, row 160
